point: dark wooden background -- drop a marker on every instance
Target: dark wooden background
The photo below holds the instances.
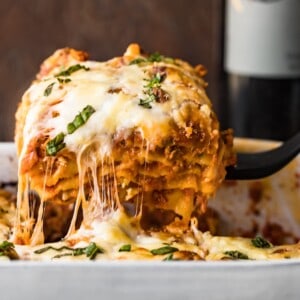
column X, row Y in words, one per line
column 32, row 29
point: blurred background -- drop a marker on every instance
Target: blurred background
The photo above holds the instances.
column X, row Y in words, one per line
column 31, row 30
column 193, row 30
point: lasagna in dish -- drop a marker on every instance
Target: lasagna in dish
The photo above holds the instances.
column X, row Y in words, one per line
column 117, row 161
column 136, row 133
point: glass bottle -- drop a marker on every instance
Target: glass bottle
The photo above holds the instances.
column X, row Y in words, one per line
column 262, row 61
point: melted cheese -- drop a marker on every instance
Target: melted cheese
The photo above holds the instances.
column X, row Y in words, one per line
column 115, row 111
column 120, row 230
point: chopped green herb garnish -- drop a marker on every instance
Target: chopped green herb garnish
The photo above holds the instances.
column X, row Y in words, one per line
column 90, row 251
column 260, row 242
column 45, row 249
column 77, row 122
column 78, row 251
column 63, row 80
column 169, row 257
column 80, row 119
column 155, row 81
column 71, row 128
column 63, row 255
column 125, row 248
column 164, row 250
column 5, row 245
column 71, row 70
column 151, row 88
column 8, row 249
column 146, row 102
column 87, row 112
column 137, row 61
column 56, row 144
column 48, row 90
column 236, row 254
column 153, row 57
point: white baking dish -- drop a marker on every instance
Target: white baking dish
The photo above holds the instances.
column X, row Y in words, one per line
column 174, row 280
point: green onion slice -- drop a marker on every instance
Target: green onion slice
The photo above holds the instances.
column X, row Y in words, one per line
column 80, row 119
column 235, row 254
column 48, row 90
column 71, row 70
column 90, row 251
column 260, row 242
column 55, row 145
column 164, row 250
column 125, row 248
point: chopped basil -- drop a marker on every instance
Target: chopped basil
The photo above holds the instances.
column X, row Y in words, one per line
column 87, row 112
column 80, row 119
column 71, row 128
column 164, row 250
column 63, row 255
column 45, row 249
column 169, row 257
column 155, row 81
column 55, row 145
column 260, row 242
column 146, row 102
column 48, row 90
column 125, row 248
column 63, row 80
column 78, row 251
column 6, row 245
column 90, row 251
column 154, row 84
column 71, row 70
column 137, row 61
column 153, row 57
column 235, row 254
column 8, row 249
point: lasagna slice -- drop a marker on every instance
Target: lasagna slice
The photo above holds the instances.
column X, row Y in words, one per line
column 135, row 133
